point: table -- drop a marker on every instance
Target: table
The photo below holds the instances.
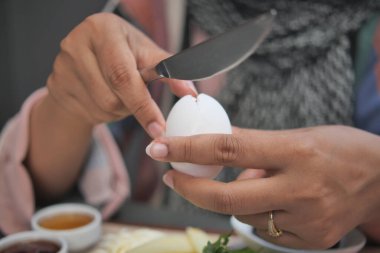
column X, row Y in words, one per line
column 120, row 235
column 135, row 215
column 110, row 227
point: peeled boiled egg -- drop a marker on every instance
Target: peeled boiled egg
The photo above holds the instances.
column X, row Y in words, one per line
column 197, row 115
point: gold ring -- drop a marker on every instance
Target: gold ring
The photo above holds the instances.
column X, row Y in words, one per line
column 272, row 229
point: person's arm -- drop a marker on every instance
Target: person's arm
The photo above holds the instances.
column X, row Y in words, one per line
column 321, row 182
column 58, row 145
column 104, row 182
column 95, row 79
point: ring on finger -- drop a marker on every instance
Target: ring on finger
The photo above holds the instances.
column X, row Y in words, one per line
column 273, row 231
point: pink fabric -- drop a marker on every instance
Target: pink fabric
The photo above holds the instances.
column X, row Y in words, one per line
column 119, row 183
column 16, row 191
column 150, row 15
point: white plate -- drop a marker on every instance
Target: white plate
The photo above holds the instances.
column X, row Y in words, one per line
column 351, row 243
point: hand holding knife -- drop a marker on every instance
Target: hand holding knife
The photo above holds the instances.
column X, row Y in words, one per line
column 218, row 54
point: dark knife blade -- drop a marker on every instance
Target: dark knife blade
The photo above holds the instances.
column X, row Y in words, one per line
column 218, row 54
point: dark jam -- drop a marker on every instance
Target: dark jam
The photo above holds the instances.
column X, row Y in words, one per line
column 66, row 221
column 32, row 247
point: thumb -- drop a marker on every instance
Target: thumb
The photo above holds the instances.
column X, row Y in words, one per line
column 148, row 54
column 252, row 174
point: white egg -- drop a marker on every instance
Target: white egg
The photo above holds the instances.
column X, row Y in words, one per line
column 191, row 116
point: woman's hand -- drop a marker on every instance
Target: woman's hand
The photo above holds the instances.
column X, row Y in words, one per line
column 96, row 77
column 320, row 182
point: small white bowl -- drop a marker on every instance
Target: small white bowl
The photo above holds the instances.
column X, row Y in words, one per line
column 31, row 236
column 351, row 243
column 78, row 239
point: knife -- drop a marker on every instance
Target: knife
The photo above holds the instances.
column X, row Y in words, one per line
column 218, row 54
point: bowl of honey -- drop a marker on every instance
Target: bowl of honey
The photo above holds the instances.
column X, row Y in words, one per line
column 32, row 242
column 78, row 224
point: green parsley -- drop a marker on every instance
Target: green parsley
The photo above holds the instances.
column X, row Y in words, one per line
column 220, row 246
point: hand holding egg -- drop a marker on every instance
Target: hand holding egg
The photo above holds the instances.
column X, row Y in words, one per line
column 192, row 116
column 313, row 178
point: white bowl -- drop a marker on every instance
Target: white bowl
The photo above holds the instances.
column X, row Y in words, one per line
column 32, row 236
column 351, row 243
column 79, row 238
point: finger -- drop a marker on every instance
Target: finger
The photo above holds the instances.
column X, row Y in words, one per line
column 237, row 197
column 282, row 219
column 251, row 174
column 148, row 54
column 286, row 239
column 101, row 94
column 73, row 97
column 247, row 148
column 296, row 241
column 181, row 88
column 236, row 130
column 119, row 69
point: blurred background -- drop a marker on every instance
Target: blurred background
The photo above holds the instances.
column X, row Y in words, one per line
column 30, row 32
column 30, row 35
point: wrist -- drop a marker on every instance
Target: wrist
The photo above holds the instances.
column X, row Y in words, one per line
column 66, row 112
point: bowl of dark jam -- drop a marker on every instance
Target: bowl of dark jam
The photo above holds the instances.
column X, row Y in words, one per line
column 32, row 242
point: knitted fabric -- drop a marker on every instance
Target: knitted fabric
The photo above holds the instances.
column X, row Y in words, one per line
column 302, row 75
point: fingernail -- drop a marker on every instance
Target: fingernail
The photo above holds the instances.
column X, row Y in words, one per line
column 155, row 130
column 168, row 180
column 147, row 149
column 191, row 85
column 156, row 150
column 253, row 174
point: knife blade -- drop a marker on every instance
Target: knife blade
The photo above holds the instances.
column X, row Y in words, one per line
column 218, row 54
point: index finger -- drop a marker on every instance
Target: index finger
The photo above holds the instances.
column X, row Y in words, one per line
column 236, row 198
column 119, row 63
column 244, row 148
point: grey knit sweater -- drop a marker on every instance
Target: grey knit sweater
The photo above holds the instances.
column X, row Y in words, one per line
column 301, row 76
